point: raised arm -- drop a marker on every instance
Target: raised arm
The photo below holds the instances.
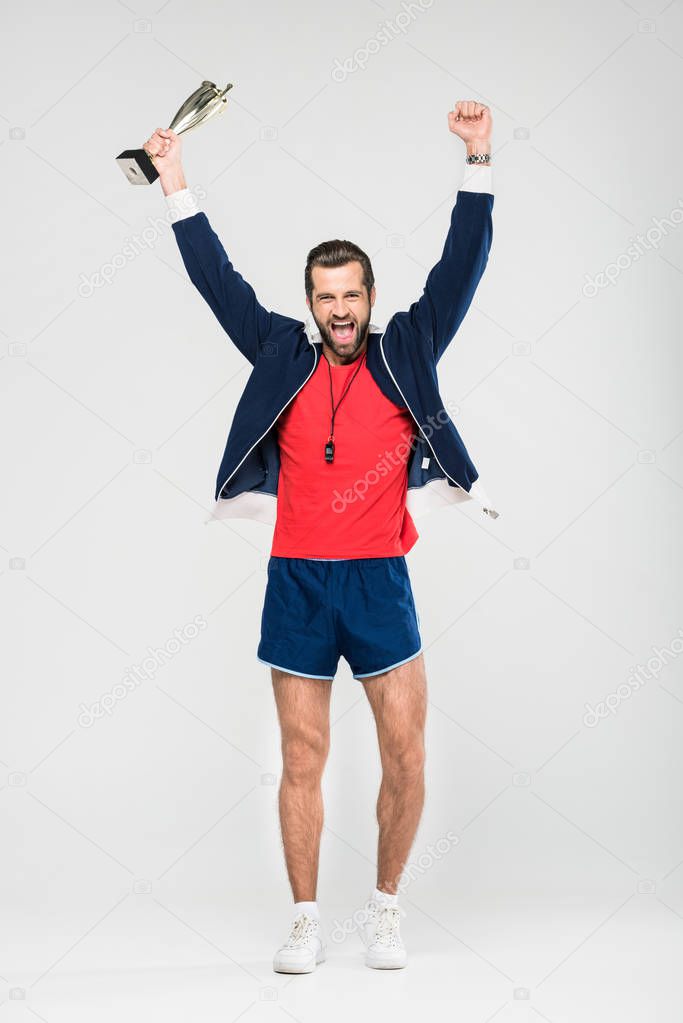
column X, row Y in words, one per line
column 230, row 297
column 452, row 282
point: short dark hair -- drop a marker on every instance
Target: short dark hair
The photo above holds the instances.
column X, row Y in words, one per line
column 337, row 252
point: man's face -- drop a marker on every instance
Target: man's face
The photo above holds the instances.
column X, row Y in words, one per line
column 341, row 308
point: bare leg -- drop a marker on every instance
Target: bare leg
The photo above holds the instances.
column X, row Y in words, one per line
column 399, row 703
column 303, row 706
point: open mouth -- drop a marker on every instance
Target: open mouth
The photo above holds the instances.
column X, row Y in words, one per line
column 343, row 330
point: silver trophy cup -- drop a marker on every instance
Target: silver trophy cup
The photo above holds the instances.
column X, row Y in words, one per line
column 207, row 100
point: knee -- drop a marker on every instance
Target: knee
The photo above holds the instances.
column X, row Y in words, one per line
column 405, row 761
column 303, row 758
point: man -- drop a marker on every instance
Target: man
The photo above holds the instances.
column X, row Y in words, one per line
column 335, row 438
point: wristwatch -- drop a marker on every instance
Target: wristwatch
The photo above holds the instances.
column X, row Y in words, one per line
column 478, row 158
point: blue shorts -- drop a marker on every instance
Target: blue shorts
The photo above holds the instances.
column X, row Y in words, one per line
column 315, row 611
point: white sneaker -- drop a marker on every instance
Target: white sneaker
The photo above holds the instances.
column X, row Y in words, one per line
column 304, row 947
column 380, row 933
column 366, row 921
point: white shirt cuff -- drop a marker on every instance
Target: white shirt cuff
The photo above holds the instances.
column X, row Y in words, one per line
column 182, row 204
column 478, row 177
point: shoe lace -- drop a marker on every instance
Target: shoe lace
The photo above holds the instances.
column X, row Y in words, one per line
column 368, row 914
column 388, row 922
column 302, row 928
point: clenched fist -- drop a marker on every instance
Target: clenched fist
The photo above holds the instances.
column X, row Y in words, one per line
column 164, row 146
column 470, row 121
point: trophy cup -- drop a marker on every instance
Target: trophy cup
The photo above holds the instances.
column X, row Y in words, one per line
column 207, row 100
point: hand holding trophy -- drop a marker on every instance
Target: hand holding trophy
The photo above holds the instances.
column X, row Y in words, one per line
column 164, row 148
column 207, row 100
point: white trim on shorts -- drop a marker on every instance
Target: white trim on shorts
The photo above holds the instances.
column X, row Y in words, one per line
column 369, row 674
column 291, row 671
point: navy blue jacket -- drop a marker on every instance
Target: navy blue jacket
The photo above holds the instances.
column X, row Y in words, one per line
column 402, row 360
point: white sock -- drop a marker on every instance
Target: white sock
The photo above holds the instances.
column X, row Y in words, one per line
column 384, row 898
column 307, row 907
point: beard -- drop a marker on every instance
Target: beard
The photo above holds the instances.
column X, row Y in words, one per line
column 349, row 351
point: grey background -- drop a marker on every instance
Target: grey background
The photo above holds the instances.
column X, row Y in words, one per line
column 141, row 862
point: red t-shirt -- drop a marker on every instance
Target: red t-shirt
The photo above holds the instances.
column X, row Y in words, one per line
column 355, row 506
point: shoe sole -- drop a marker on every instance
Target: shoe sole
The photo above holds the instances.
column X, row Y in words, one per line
column 307, row 967
column 379, row 964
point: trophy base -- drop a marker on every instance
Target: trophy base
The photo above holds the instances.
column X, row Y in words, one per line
column 137, row 166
